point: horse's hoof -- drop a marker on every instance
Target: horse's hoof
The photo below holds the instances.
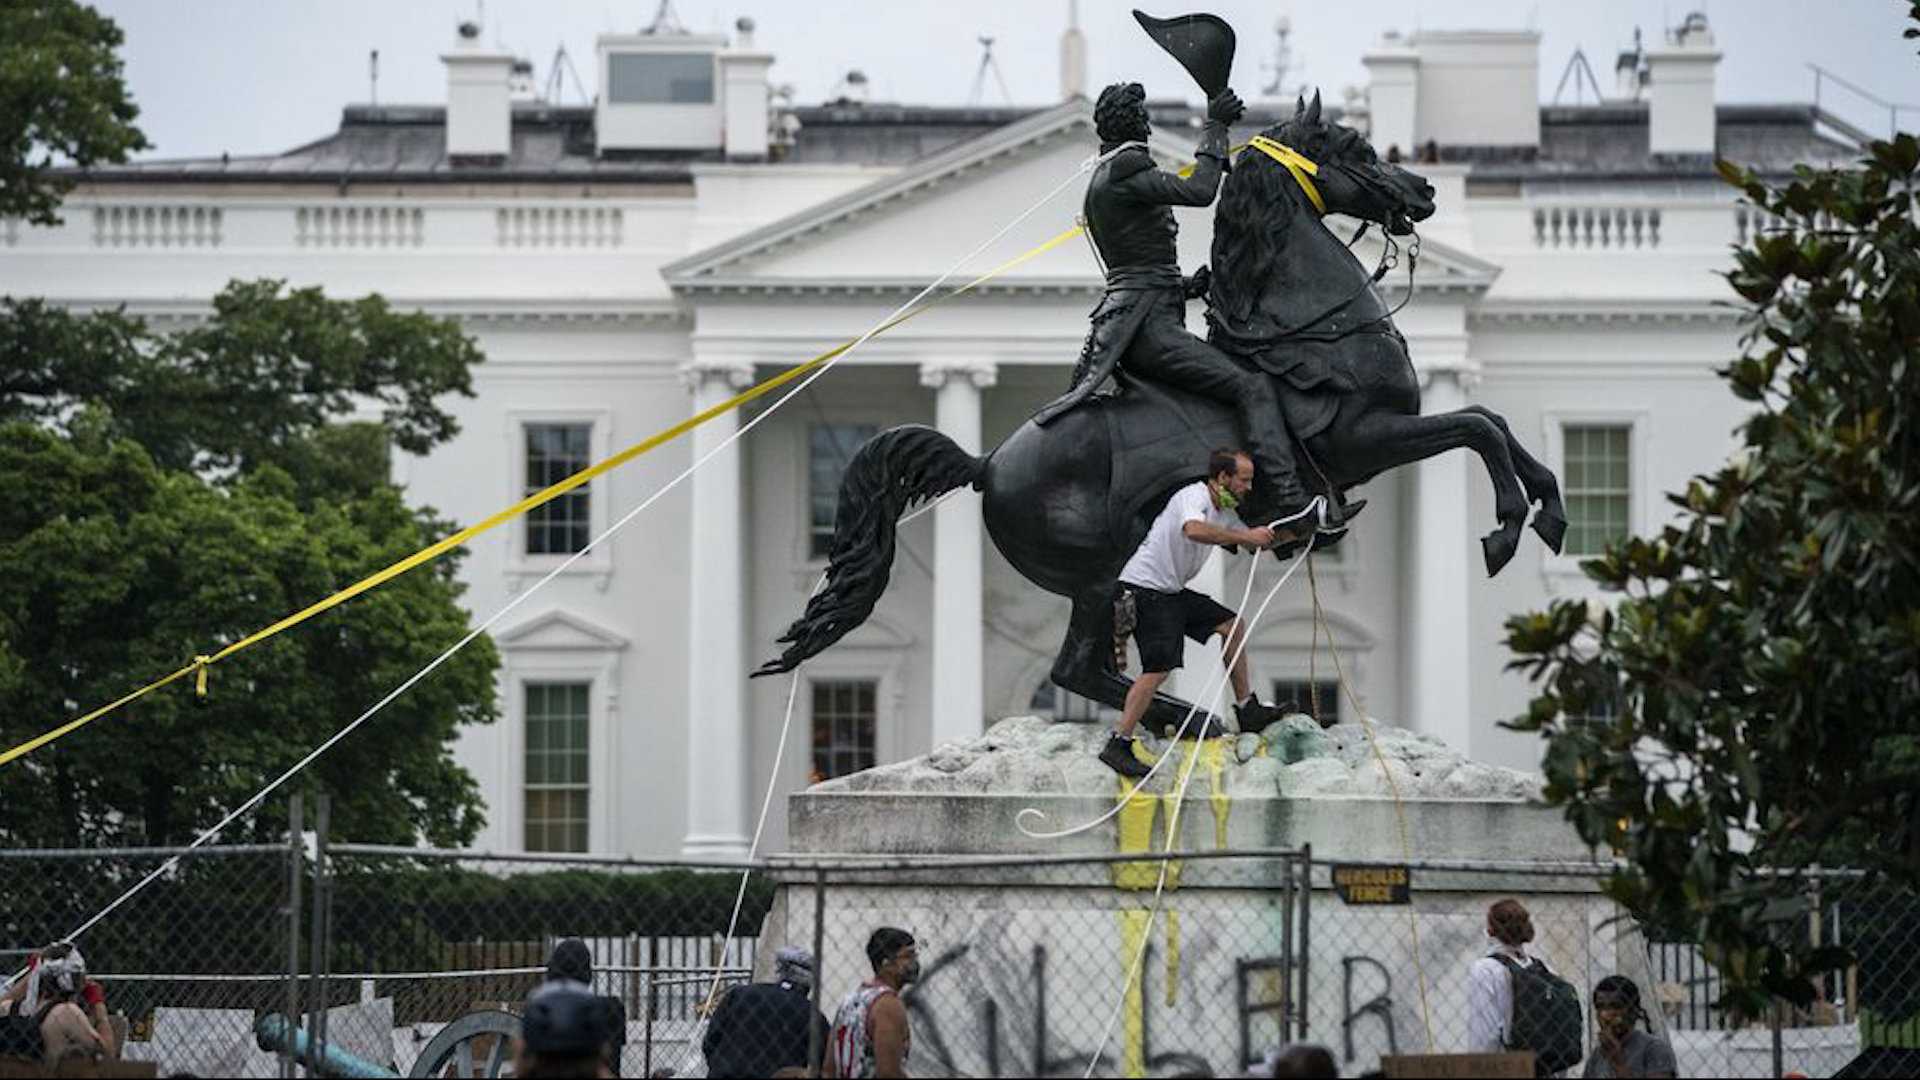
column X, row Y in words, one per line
column 1498, row 548
column 1552, row 529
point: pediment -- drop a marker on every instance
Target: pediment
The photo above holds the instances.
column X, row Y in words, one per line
column 558, row 631
column 905, row 230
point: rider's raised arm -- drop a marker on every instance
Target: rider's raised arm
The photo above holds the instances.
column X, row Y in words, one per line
column 1196, row 188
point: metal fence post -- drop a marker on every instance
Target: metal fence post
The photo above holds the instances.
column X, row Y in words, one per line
column 1306, row 930
column 316, row 1016
column 294, row 859
column 814, row 1049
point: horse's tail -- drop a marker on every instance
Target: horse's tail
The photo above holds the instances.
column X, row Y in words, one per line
column 888, row 474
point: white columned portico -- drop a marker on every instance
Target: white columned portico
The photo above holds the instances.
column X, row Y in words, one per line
column 1440, row 702
column 717, row 751
column 959, row 674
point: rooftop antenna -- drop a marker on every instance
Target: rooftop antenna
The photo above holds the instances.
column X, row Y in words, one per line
column 1577, row 66
column 1282, row 62
column 562, row 63
column 665, row 20
column 373, row 77
column 988, row 63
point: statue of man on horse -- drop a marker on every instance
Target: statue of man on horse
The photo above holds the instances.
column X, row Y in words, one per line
column 1304, row 362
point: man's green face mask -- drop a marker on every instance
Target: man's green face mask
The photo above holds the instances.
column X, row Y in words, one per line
column 1225, row 496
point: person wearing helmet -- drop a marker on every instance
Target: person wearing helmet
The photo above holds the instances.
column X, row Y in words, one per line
column 562, row 1033
column 69, row 1009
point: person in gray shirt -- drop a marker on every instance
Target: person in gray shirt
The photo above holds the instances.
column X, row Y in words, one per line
column 1620, row 1047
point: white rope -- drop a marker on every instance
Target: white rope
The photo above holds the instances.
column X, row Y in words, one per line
column 1173, row 816
column 511, row 605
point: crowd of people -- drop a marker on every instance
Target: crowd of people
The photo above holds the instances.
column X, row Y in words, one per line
column 1515, row 1002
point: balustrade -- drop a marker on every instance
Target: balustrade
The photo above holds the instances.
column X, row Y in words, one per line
column 559, row 226
column 1608, row 227
column 156, row 226
column 355, row 226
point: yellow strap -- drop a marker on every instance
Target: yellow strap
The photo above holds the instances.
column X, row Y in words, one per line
column 427, row 554
column 1303, row 168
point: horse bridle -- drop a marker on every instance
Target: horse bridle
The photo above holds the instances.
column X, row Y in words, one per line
column 1303, row 169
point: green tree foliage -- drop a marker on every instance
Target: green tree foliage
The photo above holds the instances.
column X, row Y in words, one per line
column 119, row 570
column 62, row 102
column 1763, row 659
column 162, row 495
column 271, row 367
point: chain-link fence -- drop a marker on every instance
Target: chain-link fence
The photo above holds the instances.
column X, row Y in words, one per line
column 408, row 961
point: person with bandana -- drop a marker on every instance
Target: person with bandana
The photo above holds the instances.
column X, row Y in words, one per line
column 1140, row 324
column 871, row 1035
column 1154, row 605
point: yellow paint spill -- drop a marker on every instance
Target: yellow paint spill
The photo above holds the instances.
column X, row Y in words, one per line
column 1215, row 758
column 1133, row 929
column 1136, row 835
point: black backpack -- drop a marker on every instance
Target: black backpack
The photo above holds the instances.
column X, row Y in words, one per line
column 20, row 1032
column 1546, row 1017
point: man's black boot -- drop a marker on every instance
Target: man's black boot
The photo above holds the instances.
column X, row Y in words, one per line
column 1118, row 756
column 1255, row 714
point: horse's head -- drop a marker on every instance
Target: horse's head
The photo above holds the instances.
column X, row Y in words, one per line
column 1351, row 178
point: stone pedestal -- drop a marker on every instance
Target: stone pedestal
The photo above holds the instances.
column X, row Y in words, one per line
column 1038, row 965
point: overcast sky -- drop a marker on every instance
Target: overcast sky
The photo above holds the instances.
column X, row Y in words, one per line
column 261, row 76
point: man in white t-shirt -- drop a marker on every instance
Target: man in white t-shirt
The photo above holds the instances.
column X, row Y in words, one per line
column 1156, row 607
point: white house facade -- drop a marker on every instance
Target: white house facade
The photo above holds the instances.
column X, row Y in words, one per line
column 626, row 264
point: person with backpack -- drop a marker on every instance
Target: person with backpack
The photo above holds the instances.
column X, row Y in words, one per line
column 1515, row 1002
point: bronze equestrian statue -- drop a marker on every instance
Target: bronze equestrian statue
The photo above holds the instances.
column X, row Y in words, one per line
column 1068, row 501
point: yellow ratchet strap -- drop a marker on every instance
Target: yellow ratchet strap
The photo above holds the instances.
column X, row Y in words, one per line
column 1302, row 167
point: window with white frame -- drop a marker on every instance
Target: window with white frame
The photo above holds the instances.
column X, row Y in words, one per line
column 829, row 448
column 845, row 721
column 555, row 781
column 1599, row 494
column 553, row 452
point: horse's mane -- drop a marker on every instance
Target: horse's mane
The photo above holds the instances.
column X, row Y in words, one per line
column 1250, row 227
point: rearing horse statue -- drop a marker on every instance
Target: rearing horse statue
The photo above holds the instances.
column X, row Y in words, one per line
column 1068, row 503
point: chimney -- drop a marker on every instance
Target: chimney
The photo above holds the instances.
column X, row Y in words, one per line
column 1393, row 90
column 1680, row 102
column 1073, row 56
column 479, row 118
column 743, row 86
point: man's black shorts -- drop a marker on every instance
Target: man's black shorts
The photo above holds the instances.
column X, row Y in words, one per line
column 1163, row 618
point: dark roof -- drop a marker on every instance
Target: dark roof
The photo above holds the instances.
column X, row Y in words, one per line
column 555, row 144
column 1609, row 142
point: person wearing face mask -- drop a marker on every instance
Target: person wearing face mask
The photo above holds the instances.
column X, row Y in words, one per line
column 1154, row 605
column 871, row 1035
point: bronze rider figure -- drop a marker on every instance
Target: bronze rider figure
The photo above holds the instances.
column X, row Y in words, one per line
column 1140, row 324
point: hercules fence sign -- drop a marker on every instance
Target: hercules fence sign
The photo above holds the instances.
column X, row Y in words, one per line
column 1373, row 884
